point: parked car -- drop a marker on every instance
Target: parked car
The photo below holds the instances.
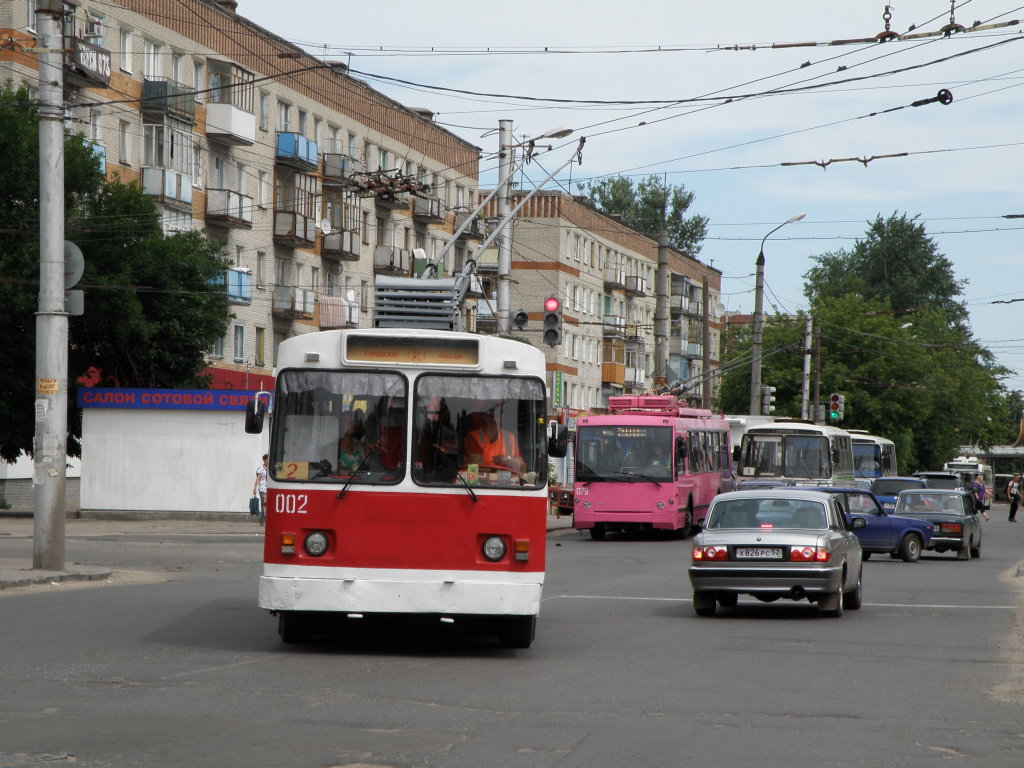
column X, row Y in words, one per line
column 883, row 532
column 949, row 480
column 886, row 489
column 782, row 543
column 953, row 514
column 561, row 499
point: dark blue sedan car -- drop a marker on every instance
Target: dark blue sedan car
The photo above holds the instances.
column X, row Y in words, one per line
column 884, row 532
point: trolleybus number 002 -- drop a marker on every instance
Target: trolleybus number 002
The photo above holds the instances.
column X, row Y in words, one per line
column 291, row 503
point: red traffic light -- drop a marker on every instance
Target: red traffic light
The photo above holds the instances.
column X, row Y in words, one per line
column 552, row 304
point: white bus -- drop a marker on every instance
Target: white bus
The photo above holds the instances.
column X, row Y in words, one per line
column 873, row 456
column 796, row 452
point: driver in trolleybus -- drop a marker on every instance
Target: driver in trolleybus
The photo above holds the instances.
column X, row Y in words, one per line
column 489, row 445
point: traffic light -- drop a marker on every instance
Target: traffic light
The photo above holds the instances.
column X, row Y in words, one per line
column 552, row 321
column 835, row 406
column 767, row 400
column 520, row 318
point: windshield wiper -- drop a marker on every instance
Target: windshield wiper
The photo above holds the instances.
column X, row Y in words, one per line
column 648, row 478
column 355, row 472
column 455, row 469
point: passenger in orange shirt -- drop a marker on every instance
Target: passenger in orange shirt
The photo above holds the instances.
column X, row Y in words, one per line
column 491, row 446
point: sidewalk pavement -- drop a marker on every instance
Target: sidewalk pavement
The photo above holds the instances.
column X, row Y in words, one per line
column 17, row 571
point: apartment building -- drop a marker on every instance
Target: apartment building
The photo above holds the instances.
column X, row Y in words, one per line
column 316, row 182
column 604, row 272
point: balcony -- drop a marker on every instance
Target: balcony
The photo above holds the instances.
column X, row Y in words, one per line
column 636, row 285
column 693, row 349
column 634, row 333
column 225, row 206
column 167, row 186
column 390, row 260
column 296, row 151
column 86, row 65
column 614, row 278
column 166, row 96
column 475, row 230
column 675, row 303
column 613, row 373
column 294, row 229
column 336, row 312
column 428, row 209
column 693, row 307
column 228, row 124
column 393, row 201
column 342, row 243
column 634, row 377
column 293, row 302
column 339, row 169
column 614, row 326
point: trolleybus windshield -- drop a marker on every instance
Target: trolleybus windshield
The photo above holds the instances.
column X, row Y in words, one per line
column 623, row 453
column 339, row 426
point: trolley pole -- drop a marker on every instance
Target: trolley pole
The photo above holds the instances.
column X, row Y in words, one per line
column 51, row 402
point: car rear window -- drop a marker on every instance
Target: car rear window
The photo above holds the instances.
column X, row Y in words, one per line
column 887, row 487
column 765, row 514
column 950, row 483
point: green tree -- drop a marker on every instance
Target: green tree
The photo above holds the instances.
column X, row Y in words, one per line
column 650, row 206
column 150, row 307
column 895, row 342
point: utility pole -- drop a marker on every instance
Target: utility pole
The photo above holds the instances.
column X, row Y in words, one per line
column 805, row 386
column 51, row 403
column 506, row 159
column 661, row 292
column 706, row 344
column 817, row 374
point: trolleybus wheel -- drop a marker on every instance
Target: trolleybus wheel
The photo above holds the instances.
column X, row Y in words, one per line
column 294, row 627
column 597, row 532
column 517, row 631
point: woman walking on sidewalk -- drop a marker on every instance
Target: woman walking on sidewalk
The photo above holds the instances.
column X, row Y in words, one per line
column 1013, row 492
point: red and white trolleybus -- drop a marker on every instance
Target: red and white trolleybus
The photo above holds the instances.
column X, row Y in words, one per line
column 374, row 505
column 650, row 462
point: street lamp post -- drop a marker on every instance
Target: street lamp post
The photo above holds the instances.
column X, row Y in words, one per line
column 755, row 370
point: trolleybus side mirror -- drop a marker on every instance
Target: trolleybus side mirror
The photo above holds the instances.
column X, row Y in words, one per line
column 255, row 410
column 558, row 440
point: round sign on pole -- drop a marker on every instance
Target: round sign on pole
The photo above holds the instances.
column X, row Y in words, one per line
column 74, row 264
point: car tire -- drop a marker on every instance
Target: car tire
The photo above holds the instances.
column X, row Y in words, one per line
column 834, row 603
column 964, row 553
column 976, row 550
column 866, row 555
column 597, row 532
column 728, row 599
column 704, row 603
column 910, row 548
column 852, row 599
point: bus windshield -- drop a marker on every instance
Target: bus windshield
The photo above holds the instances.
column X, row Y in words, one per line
column 339, row 426
column 797, row 456
column 480, row 430
column 621, row 453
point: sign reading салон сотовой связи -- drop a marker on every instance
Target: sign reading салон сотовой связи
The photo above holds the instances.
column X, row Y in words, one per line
column 163, row 399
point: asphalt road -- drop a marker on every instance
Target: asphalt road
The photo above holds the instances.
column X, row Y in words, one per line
column 171, row 663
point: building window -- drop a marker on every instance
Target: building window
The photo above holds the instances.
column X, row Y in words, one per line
column 124, row 128
column 198, row 78
column 126, row 50
column 239, row 343
column 314, row 279
column 333, row 139
column 352, row 145
column 150, row 60
column 364, row 295
column 303, row 122
column 380, row 230
column 264, row 111
column 366, row 227
column 261, row 269
column 217, row 348
column 283, row 116
column 263, row 191
column 95, row 127
column 385, row 160
column 261, row 338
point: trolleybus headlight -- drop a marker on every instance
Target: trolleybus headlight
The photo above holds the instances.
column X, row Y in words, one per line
column 316, row 544
column 494, row 548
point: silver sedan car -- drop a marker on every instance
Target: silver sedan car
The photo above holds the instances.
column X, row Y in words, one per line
column 779, row 543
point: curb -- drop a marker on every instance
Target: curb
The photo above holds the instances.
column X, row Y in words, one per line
column 24, row 578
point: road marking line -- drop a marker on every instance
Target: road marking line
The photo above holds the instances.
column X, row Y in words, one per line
column 873, row 605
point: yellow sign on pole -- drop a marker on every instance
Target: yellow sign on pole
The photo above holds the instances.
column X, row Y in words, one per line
column 47, row 387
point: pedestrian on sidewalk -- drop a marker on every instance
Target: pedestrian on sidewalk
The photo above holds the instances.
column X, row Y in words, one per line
column 980, row 494
column 1013, row 492
column 260, row 488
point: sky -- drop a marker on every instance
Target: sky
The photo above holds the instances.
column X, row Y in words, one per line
column 961, row 174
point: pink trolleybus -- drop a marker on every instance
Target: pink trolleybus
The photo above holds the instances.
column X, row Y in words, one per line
column 407, row 476
column 650, row 462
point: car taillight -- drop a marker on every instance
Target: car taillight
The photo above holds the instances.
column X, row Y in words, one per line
column 952, row 528
column 710, row 553
column 810, row 554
